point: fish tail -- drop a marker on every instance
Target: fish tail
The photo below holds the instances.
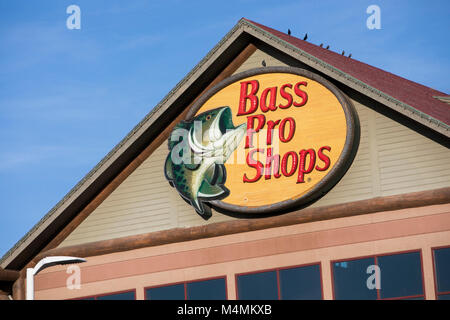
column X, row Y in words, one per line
column 202, row 209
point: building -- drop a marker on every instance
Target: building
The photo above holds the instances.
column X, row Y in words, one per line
column 381, row 219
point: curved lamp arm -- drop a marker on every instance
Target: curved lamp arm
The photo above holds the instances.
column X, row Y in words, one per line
column 43, row 264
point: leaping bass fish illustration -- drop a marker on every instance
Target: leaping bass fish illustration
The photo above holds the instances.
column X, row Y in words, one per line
column 198, row 150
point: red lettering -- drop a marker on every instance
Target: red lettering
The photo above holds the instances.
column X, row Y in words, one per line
column 302, row 169
column 276, row 165
column 273, row 99
column 304, row 162
column 291, row 129
column 250, row 128
column 300, row 93
column 284, row 163
column 250, row 96
column 257, row 165
column 270, row 126
column 324, row 158
column 286, row 96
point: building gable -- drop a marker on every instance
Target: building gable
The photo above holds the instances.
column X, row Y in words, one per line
column 119, row 170
column 392, row 159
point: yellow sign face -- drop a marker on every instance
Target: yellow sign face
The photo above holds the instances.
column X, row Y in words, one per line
column 286, row 136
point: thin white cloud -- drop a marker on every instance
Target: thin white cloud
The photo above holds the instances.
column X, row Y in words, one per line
column 35, row 155
column 27, row 45
column 139, row 41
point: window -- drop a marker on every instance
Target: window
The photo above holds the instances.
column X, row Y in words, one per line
column 294, row 283
column 211, row 289
column 441, row 260
column 301, row 283
column 401, row 277
column 127, row 295
column 258, row 286
column 350, row 280
column 173, row 292
column 214, row 289
column 118, row 296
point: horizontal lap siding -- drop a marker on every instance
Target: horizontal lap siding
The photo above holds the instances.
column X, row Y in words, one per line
column 391, row 159
column 357, row 182
column 409, row 162
column 138, row 205
column 256, row 59
column 143, row 203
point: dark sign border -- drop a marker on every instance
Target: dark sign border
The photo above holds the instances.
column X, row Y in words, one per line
column 331, row 178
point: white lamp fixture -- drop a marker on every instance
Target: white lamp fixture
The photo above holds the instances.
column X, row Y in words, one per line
column 45, row 263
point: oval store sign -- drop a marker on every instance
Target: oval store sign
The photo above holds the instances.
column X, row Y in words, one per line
column 263, row 142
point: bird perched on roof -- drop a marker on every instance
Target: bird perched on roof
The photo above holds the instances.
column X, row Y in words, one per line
column 306, row 36
column 343, row 52
column 289, row 31
column 321, row 45
column 350, row 55
column 328, row 47
column 263, row 63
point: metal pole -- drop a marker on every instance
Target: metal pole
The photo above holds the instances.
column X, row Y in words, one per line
column 45, row 263
column 30, row 284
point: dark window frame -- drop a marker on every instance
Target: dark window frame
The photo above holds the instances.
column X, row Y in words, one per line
column 376, row 256
column 436, row 292
column 107, row 294
column 185, row 283
column 278, row 276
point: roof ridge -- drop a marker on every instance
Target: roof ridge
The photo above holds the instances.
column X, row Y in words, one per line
column 340, row 55
column 402, row 97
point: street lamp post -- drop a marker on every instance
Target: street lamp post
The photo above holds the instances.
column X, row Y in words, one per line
column 45, row 263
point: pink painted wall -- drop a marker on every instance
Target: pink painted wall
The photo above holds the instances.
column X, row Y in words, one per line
column 317, row 242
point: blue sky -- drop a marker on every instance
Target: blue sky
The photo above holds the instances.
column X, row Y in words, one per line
column 67, row 97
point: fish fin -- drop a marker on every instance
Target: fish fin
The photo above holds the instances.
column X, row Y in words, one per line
column 211, row 174
column 216, row 174
column 168, row 170
column 208, row 190
column 222, row 175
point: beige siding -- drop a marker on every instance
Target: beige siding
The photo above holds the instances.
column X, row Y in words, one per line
column 409, row 161
column 269, row 56
column 143, row 203
column 256, row 59
column 357, row 184
column 391, row 159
